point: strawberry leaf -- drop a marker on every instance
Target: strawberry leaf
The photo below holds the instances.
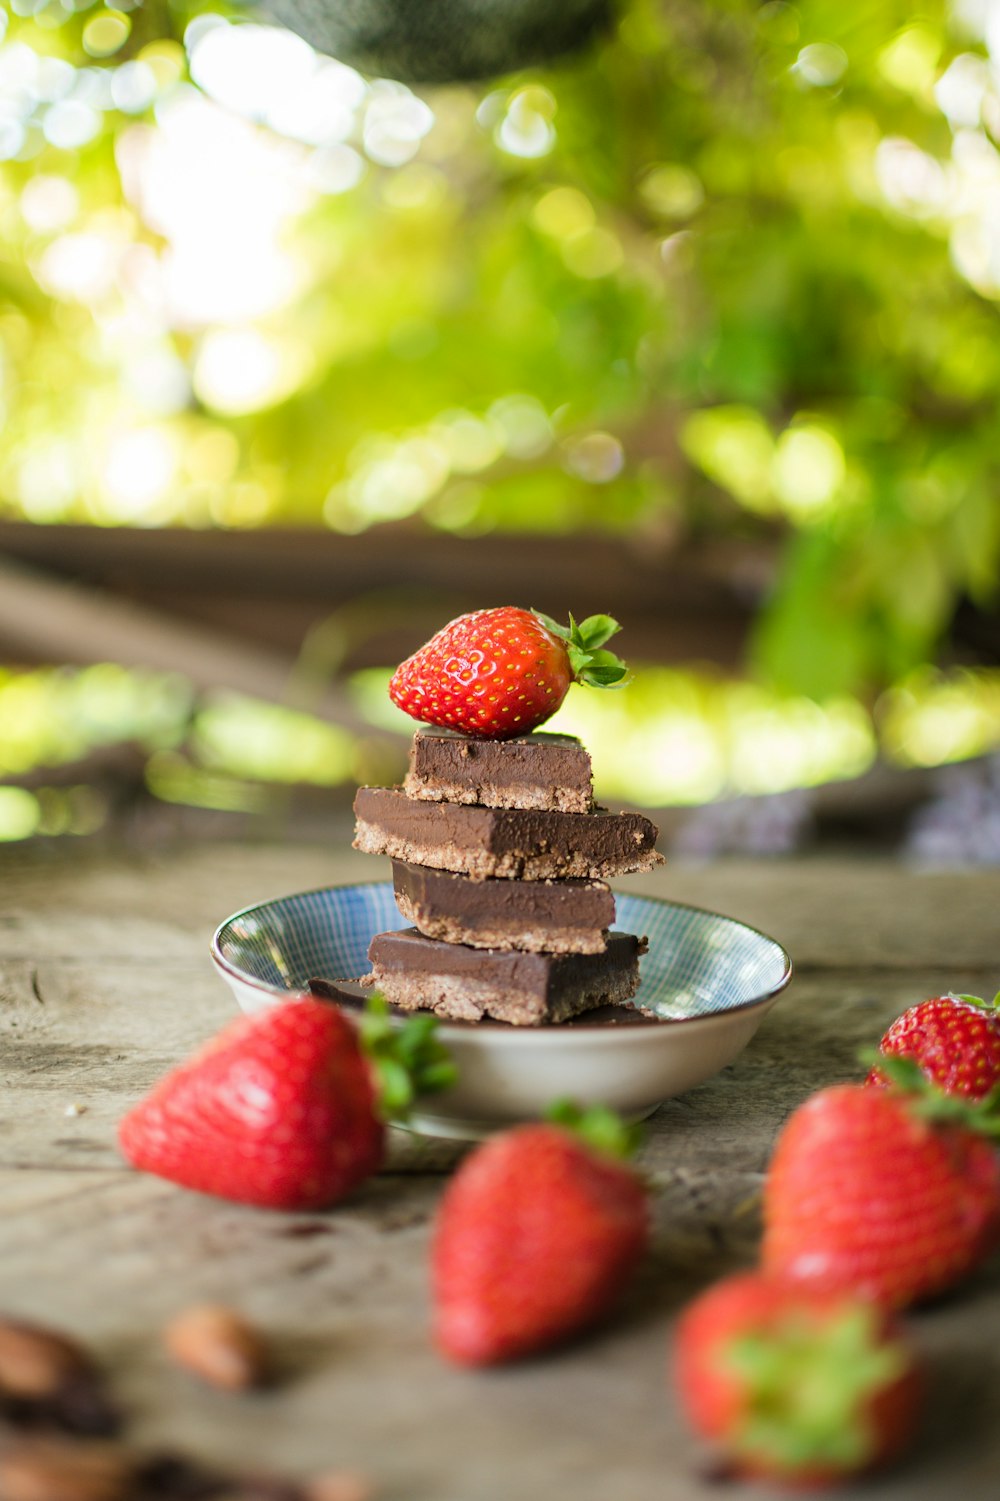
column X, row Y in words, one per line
column 929, row 1101
column 589, row 663
column 552, row 625
column 978, row 1001
column 407, row 1059
column 809, row 1384
column 596, row 630
column 599, row 1127
column 599, row 669
column 395, row 1095
column 899, row 1068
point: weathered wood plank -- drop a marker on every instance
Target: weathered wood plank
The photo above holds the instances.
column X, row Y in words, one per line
column 273, row 585
column 343, row 1298
column 90, row 1048
column 44, row 618
column 104, row 982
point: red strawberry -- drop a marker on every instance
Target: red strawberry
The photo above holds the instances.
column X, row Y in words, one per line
column 534, row 1236
column 795, row 1384
column 281, row 1109
column 868, row 1192
column 954, row 1038
column 278, row 1110
column 500, row 673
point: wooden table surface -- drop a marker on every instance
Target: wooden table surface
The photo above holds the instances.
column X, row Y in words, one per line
column 105, row 982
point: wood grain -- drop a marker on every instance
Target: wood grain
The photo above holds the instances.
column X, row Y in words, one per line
column 104, row 982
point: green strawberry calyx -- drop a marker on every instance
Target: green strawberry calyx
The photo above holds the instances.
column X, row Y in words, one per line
column 407, row 1059
column 584, row 643
column 929, row 1101
column 809, row 1384
column 597, row 1126
column 977, row 1001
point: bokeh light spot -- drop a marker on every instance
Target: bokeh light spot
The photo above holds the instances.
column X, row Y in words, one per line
column 106, row 33
column 807, row 471
column 734, row 447
column 527, row 127
column 597, row 458
column 821, row 65
column 671, row 191
column 593, row 253
column 241, row 370
column 562, row 212
column 20, row 813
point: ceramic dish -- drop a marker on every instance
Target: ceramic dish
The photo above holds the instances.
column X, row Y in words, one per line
column 708, row 979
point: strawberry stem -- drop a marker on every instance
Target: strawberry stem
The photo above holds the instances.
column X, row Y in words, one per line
column 809, row 1383
column 407, row 1058
column 597, row 1126
column 978, row 1001
column 584, row 642
column 930, row 1102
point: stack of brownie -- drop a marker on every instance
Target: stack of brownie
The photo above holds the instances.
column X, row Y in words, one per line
column 500, row 860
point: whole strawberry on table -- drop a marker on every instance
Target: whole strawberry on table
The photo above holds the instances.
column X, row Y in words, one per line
column 795, row 1384
column 955, row 1039
column 285, row 1109
column 536, row 1236
column 893, row 1193
column 875, row 1198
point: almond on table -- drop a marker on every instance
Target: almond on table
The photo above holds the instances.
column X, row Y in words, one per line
column 65, row 1470
column 54, row 1382
column 218, row 1345
column 36, row 1361
column 339, row 1485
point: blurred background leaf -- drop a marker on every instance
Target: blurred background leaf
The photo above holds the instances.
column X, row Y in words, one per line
column 729, row 272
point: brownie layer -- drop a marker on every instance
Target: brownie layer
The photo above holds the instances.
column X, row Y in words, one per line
column 466, row 984
column 518, row 843
column 531, row 771
column 555, row 917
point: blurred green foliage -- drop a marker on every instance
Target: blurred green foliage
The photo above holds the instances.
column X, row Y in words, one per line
column 675, row 738
column 734, row 271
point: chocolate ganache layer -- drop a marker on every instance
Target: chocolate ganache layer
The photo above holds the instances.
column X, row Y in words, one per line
column 465, row 984
column 556, row 917
column 522, row 844
column 532, row 771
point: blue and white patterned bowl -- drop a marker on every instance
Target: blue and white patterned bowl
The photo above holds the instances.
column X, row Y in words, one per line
column 709, row 980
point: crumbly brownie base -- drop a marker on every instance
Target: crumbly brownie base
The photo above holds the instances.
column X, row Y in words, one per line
column 470, row 1000
column 482, row 865
column 508, row 843
column 418, row 974
column 504, row 936
column 545, row 917
column 538, row 771
column 490, row 795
